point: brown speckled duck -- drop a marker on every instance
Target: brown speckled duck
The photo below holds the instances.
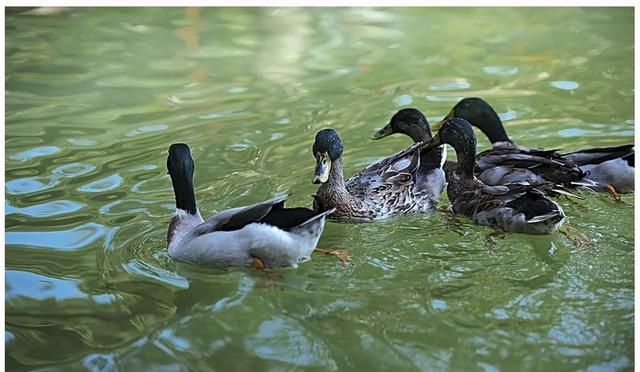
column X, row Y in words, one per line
column 402, row 183
column 514, row 207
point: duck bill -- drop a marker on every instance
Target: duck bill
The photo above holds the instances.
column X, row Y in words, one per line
column 323, row 167
column 386, row 131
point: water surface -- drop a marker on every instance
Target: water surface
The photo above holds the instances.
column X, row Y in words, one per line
column 94, row 97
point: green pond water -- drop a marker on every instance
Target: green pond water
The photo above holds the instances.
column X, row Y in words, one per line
column 94, row 97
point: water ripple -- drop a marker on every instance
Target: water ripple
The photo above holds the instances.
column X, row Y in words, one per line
column 76, row 238
column 565, row 85
column 90, row 116
column 48, row 209
column 147, row 129
column 450, row 85
column 403, row 100
column 105, row 184
column 35, row 152
column 284, row 339
column 73, row 170
column 39, row 287
column 501, row 70
column 28, row 185
column 82, row 141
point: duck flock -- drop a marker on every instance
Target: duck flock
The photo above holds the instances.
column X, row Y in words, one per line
column 508, row 188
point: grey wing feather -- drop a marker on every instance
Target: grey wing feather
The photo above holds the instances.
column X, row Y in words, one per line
column 495, row 190
column 543, row 217
column 599, row 155
column 391, row 160
column 385, row 171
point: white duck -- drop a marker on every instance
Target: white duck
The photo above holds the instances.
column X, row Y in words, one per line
column 263, row 235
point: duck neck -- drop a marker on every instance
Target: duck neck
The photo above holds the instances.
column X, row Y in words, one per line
column 466, row 162
column 335, row 186
column 495, row 130
column 433, row 158
column 334, row 194
column 185, row 196
column 182, row 223
column 336, row 175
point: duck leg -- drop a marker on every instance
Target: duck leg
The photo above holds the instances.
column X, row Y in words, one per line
column 452, row 220
column 340, row 254
column 612, row 190
column 258, row 263
column 491, row 243
column 578, row 239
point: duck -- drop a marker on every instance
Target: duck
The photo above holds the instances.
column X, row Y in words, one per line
column 413, row 123
column 516, row 207
column 500, row 165
column 261, row 235
column 609, row 169
column 403, row 183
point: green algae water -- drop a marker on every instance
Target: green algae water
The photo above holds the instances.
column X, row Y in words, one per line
column 94, row 97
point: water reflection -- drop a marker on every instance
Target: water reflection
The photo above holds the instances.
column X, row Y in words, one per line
column 44, row 210
column 21, row 285
column 35, row 152
column 105, row 184
column 75, row 238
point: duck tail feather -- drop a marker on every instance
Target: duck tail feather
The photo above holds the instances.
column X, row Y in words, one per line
column 317, row 217
column 566, row 193
column 543, row 217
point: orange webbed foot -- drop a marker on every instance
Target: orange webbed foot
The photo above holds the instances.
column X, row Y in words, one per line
column 611, row 190
column 340, row 254
column 258, row 263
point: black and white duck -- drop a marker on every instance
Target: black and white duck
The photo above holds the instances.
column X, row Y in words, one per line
column 263, row 235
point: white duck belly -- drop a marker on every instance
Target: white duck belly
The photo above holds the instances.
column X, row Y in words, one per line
column 275, row 247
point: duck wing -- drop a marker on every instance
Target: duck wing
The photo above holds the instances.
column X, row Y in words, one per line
column 406, row 161
column 396, row 161
column 535, row 206
column 395, row 172
column 237, row 218
column 473, row 201
column 518, row 158
column 484, row 197
column 547, row 164
column 288, row 218
column 601, row 154
column 388, row 185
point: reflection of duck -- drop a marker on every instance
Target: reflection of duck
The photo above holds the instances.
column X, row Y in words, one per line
column 515, row 207
column 395, row 185
column 609, row 169
column 264, row 234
